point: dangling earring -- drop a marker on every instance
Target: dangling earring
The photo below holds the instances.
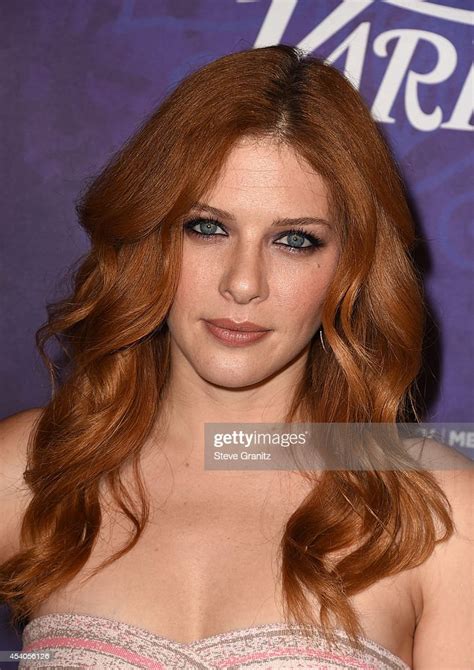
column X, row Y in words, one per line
column 321, row 338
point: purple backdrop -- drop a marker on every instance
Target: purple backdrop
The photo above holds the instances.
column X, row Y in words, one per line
column 78, row 78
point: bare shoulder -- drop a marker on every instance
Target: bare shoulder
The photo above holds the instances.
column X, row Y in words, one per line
column 15, row 431
column 443, row 636
column 436, row 456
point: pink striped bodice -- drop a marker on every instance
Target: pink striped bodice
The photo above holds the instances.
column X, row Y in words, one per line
column 89, row 641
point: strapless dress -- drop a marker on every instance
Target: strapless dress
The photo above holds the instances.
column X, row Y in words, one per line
column 89, row 641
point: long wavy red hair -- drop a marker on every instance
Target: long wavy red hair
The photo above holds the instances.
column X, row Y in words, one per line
column 109, row 388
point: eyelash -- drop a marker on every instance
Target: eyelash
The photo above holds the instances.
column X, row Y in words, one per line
column 316, row 242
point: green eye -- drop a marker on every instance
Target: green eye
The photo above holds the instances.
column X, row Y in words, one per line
column 298, row 239
column 207, row 226
column 299, row 236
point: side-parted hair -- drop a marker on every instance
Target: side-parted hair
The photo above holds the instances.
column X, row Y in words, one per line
column 112, row 330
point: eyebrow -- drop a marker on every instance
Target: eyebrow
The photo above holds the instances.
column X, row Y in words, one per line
column 299, row 221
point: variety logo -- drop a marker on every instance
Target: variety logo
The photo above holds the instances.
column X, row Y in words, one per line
column 402, row 42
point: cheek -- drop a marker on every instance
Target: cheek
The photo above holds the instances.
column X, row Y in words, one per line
column 195, row 280
column 301, row 296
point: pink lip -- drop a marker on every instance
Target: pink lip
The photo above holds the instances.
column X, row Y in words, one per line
column 235, row 338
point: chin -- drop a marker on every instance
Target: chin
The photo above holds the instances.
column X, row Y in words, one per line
column 233, row 379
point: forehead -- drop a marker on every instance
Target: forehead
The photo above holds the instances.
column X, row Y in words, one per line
column 271, row 173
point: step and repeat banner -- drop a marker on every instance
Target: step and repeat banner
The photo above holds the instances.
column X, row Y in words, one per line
column 80, row 76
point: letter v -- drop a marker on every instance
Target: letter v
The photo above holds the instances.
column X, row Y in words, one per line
column 279, row 15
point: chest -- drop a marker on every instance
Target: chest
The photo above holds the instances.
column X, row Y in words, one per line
column 207, row 562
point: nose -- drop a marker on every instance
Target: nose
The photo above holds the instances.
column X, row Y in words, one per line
column 244, row 277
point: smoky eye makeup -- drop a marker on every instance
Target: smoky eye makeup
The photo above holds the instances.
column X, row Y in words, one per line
column 211, row 229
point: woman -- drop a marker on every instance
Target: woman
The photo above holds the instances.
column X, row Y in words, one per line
column 262, row 194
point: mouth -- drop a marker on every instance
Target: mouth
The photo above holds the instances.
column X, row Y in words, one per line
column 242, row 326
column 233, row 337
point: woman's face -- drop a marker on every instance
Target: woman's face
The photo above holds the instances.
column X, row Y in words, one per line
column 244, row 268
